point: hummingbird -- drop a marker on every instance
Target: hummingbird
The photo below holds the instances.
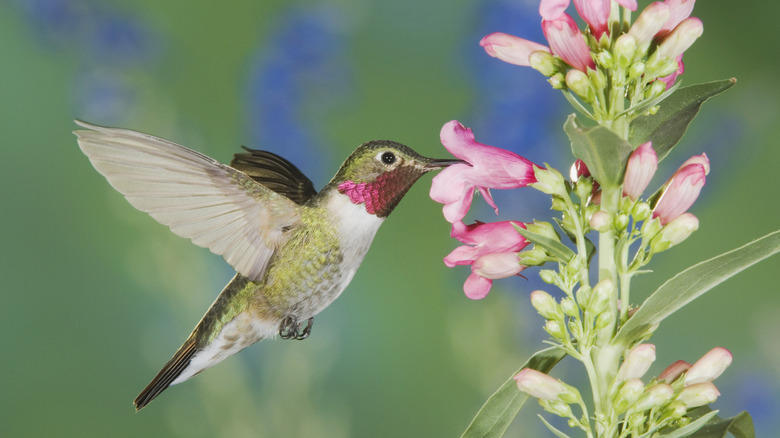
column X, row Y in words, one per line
column 294, row 249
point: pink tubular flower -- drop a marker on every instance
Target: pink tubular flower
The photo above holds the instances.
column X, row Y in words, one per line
column 709, row 367
column 567, row 42
column 489, row 168
column 484, row 238
column 681, row 38
column 682, row 189
column 637, row 362
column 641, row 167
column 596, row 14
column 510, row 48
column 679, row 10
column 649, row 23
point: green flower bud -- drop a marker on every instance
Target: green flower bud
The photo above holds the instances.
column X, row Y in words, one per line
column 583, row 295
column 656, row 89
column 570, row 308
column 555, row 407
column 636, row 70
column 557, row 81
column 641, row 211
column 549, row 181
column 575, row 329
column 578, row 82
column 603, row 293
column 625, row 48
column 548, row 276
column 555, row 329
column 598, row 79
column 584, row 188
column 674, row 232
column 628, row 395
column 558, row 204
column 621, row 221
column 605, row 60
column 656, row 396
column 545, row 304
column 601, row 221
column 543, row 229
column 543, row 62
column 603, row 320
column 534, row 257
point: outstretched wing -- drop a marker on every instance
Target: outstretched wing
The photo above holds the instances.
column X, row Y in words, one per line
column 199, row 198
column 276, row 173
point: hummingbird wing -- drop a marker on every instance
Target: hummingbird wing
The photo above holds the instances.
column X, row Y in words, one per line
column 276, row 173
column 199, row 198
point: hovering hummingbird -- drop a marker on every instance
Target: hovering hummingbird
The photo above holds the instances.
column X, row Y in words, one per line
column 294, row 249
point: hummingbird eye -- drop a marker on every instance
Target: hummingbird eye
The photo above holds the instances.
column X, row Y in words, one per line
column 388, row 158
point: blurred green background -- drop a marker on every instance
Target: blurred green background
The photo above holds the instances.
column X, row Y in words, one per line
column 96, row 296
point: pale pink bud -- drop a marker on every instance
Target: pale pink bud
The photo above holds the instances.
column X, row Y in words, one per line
column 679, row 10
column 600, row 221
column 640, row 170
column 674, row 371
column 511, row 49
column 682, row 189
column 709, row 367
column 544, row 387
column 681, row 38
column 699, row 394
column 497, row 265
column 637, row 362
column 649, row 23
column 567, row 42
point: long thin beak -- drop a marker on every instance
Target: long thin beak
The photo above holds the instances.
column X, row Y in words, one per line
column 444, row 162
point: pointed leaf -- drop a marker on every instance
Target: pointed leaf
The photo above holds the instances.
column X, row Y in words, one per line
column 553, row 247
column 502, row 407
column 553, row 429
column 602, row 150
column 666, row 127
column 740, row 425
column 693, row 282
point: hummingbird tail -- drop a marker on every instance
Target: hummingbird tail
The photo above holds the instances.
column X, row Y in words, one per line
column 169, row 373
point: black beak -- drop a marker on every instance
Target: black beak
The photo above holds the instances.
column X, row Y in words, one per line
column 439, row 163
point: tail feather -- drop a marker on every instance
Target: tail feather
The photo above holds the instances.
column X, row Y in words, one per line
column 167, row 374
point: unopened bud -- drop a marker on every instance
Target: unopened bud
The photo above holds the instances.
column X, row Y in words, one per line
column 601, row 221
column 558, row 204
column 603, row 293
column 699, row 394
column 625, row 49
column 543, row 229
column 575, row 329
column 534, row 257
column 674, row 371
column 548, row 276
column 637, row 362
column 649, row 23
column 557, row 81
column 604, row 320
column 636, row 70
column 674, row 232
column 583, row 295
column 578, row 170
column 557, row 408
column 543, row 62
column 628, row 395
column 570, row 308
column 605, row 60
column 654, row 397
column 621, row 221
column 578, row 82
column 709, row 367
column 640, row 169
column 545, row 304
column 641, row 211
column 549, row 180
column 544, row 387
column 584, row 188
column 598, row 79
column 681, row 38
column 555, row 329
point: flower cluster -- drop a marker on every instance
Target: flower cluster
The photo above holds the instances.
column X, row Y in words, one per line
column 612, row 59
column 642, row 407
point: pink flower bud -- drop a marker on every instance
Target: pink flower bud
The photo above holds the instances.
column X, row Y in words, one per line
column 497, row 265
column 542, row 386
column 567, row 42
column 681, row 38
column 682, row 189
column 709, row 367
column 649, row 23
column 637, row 362
column 674, row 371
column 511, row 49
column 679, row 10
column 596, row 14
column 578, row 170
column 641, row 167
column 699, row 394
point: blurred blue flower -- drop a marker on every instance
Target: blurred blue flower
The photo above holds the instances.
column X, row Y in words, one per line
column 298, row 77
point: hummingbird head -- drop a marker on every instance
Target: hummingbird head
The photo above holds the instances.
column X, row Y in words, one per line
column 379, row 173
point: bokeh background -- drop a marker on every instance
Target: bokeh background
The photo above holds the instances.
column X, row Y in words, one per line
column 95, row 296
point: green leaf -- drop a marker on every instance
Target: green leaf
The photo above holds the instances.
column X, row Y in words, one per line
column 693, row 282
column 552, row 429
column 666, row 127
column 602, row 150
column 495, row 416
column 740, row 425
column 554, row 248
column 690, row 428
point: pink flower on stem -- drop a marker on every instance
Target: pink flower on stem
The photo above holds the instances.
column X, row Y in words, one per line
column 510, row 48
column 484, row 238
column 544, row 387
column 709, row 367
column 681, row 38
column 682, row 189
column 489, row 168
column 487, row 268
column 641, row 167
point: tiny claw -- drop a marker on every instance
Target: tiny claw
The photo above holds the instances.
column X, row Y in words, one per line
column 290, row 328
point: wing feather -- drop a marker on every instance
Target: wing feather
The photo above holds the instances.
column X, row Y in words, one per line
column 199, row 198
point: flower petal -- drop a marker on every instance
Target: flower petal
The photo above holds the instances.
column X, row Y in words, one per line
column 477, row 287
column 511, row 49
column 567, row 42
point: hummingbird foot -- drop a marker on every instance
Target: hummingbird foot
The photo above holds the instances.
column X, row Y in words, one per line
column 290, row 328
